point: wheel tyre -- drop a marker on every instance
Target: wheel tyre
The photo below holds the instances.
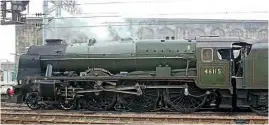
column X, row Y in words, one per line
column 71, row 105
column 263, row 112
column 180, row 98
column 32, row 101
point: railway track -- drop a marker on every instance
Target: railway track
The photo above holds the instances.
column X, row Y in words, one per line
column 9, row 104
column 24, row 116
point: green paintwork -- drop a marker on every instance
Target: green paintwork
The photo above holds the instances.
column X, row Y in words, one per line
column 163, row 71
column 213, row 75
column 128, row 56
column 204, row 80
column 256, row 67
column 213, row 80
column 143, row 57
column 168, row 48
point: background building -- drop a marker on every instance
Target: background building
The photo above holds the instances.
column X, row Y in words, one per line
column 7, row 73
column 27, row 35
column 189, row 28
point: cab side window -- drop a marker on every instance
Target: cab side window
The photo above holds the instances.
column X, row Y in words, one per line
column 225, row 54
column 207, row 54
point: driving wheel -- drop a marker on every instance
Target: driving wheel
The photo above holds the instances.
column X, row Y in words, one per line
column 186, row 100
column 140, row 103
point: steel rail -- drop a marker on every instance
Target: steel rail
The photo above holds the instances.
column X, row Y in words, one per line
column 12, row 105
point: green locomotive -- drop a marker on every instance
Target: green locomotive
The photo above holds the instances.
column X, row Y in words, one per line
column 146, row 75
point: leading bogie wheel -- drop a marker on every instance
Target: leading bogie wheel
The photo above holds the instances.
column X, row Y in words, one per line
column 32, row 100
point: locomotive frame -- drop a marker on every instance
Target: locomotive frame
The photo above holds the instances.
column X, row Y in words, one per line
column 216, row 82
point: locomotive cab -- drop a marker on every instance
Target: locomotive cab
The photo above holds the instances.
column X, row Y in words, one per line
column 229, row 65
column 215, row 56
column 220, row 61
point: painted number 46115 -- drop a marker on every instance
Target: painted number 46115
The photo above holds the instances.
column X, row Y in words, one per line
column 212, row 71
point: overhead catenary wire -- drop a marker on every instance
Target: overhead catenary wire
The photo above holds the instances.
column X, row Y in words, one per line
column 163, row 14
column 121, row 2
column 234, row 12
column 126, row 2
column 225, row 12
column 73, row 3
column 81, row 17
column 122, row 16
column 132, row 24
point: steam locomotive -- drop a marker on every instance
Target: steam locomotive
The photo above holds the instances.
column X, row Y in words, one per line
column 146, row 75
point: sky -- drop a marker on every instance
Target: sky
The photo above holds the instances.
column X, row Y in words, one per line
column 195, row 9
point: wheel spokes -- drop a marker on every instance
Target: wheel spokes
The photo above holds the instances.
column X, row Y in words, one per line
column 142, row 103
column 32, row 101
column 103, row 101
column 186, row 102
column 68, row 104
column 261, row 109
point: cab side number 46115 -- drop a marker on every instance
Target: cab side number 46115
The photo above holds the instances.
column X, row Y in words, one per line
column 212, row 71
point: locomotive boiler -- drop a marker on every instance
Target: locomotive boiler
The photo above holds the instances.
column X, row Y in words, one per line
column 145, row 75
column 115, row 57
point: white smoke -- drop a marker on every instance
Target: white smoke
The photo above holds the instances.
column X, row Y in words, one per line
column 69, row 30
column 74, row 30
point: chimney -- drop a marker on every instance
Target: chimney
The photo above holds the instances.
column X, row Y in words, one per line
column 53, row 41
